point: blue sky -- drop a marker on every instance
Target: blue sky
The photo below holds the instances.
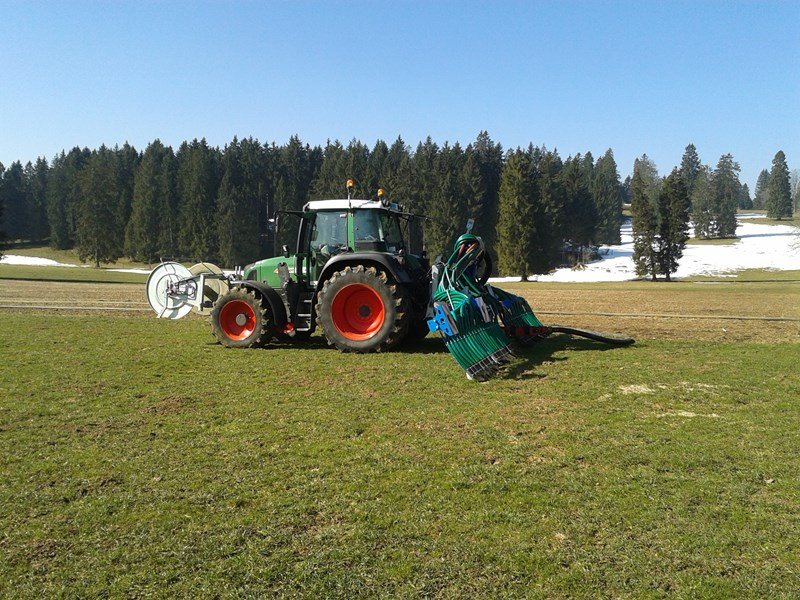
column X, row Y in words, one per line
column 634, row 76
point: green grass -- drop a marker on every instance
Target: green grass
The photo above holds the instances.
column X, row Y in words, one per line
column 139, row 459
column 713, row 241
column 795, row 220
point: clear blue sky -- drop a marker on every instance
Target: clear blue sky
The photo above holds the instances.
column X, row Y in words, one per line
column 634, row 76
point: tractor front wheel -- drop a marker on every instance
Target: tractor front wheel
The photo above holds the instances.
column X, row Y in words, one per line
column 360, row 310
column 240, row 320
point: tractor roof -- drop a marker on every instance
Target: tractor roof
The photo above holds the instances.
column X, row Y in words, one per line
column 347, row 204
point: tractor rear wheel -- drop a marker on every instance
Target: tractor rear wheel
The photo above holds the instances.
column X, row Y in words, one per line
column 361, row 310
column 241, row 320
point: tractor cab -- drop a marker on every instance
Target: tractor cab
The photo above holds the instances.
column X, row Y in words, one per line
column 332, row 228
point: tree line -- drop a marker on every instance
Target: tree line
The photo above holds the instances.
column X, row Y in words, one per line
column 208, row 203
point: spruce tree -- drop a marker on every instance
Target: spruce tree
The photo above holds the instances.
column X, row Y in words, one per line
column 725, row 197
column 760, row 199
column 15, row 210
column 515, row 219
column 608, row 200
column 127, row 161
column 76, row 161
column 197, row 185
column 580, row 211
column 151, row 230
column 489, row 156
column 625, row 190
column 2, row 204
column 294, row 173
column 36, row 199
column 548, row 211
column 99, row 234
column 237, row 205
column 779, row 193
column 57, row 198
column 673, row 223
column 690, row 167
column 447, row 207
column 330, row 182
column 645, row 227
column 702, row 215
column 745, row 202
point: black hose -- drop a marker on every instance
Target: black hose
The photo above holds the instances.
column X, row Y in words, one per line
column 614, row 339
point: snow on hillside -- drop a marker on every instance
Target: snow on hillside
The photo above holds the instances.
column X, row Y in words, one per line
column 35, row 261
column 760, row 246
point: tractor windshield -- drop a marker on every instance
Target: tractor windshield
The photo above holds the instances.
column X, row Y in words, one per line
column 377, row 230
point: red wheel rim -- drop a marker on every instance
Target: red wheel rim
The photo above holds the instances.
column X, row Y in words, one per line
column 237, row 319
column 357, row 312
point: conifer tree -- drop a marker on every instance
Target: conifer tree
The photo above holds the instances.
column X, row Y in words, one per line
column 294, row 173
column 608, row 200
column 760, row 199
column 330, row 182
column 357, row 156
column 374, row 171
column 127, row 161
column 237, row 229
column 57, row 197
column 588, row 168
column 515, row 220
column 548, row 211
column 702, row 213
column 76, row 161
column 489, row 156
column 16, row 221
column 779, row 194
column 725, row 197
column 2, row 204
column 690, row 167
column 645, row 226
column 197, row 185
column 673, row 223
column 99, row 234
column 35, row 184
column 745, row 202
column 447, row 206
column 580, row 211
column 152, row 228
column 625, row 190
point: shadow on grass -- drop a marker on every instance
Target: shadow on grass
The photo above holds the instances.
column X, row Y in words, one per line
column 542, row 353
column 528, row 358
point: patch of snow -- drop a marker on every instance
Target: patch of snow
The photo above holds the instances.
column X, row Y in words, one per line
column 32, row 261
column 760, row 246
column 140, row 271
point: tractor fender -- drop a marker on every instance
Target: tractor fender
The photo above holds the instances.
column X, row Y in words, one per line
column 272, row 297
column 386, row 262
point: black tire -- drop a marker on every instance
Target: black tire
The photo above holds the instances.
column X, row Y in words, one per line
column 343, row 331
column 241, row 319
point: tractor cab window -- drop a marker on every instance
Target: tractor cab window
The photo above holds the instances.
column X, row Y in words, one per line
column 377, row 231
column 329, row 235
column 390, row 226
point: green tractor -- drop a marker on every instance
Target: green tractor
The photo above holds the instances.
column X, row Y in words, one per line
column 351, row 275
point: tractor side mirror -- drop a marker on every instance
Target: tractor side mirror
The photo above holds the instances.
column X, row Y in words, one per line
column 285, row 250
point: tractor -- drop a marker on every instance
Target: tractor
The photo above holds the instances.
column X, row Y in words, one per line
column 351, row 275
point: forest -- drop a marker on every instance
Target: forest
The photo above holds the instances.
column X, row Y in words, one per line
column 201, row 202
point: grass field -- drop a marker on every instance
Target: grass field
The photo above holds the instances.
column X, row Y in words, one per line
column 137, row 458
